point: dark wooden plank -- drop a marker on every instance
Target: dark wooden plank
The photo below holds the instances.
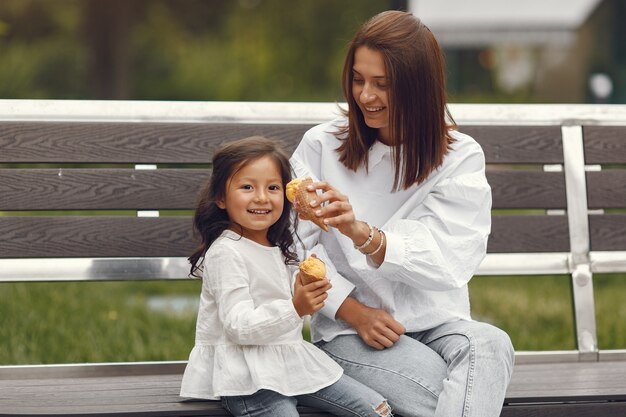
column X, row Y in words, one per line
column 155, row 395
column 606, row 189
column 99, row 236
column 567, row 381
column 527, row 189
column 605, row 144
column 544, row 389
column 608, row 231
column 510, row 234
column 95, row 236
column 518, row 144
column 593, row 409
column 114, row 142
column 109, row 189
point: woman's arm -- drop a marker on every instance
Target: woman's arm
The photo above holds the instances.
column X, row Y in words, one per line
column 439, row 243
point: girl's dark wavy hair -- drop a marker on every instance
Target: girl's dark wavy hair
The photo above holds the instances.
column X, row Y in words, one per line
column 210, row 221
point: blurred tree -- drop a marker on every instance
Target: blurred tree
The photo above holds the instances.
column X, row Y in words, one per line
column 107, row 26
column 254, row 50
column 41, row 55
column 177, row 49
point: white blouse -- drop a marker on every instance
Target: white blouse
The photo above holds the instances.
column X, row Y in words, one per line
column 436, row 233
column 248, row 333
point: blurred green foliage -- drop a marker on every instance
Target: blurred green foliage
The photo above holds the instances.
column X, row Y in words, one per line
column 244, row 50
column 265, row 50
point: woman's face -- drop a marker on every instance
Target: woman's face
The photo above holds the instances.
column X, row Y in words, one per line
column 370, row 88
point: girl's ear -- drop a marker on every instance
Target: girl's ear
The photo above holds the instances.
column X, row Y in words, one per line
column 220, row 203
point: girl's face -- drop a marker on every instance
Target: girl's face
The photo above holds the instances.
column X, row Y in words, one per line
column 255, row 198
column 370, row 87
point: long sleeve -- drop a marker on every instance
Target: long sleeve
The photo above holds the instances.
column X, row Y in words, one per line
column 244, row 323
column 442, row 241
column 305, row 163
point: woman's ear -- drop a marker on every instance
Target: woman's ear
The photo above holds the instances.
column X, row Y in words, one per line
column 220, row 203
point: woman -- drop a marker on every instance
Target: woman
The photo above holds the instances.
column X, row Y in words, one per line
column 409, row 208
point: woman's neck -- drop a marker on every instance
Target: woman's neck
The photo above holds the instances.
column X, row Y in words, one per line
column 384, row 136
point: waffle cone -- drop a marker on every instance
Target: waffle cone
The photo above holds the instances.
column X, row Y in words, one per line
column 297, row 192
column 308, row 278
column 312, row 269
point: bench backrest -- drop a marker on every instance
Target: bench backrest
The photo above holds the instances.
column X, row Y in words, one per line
column 105, row 190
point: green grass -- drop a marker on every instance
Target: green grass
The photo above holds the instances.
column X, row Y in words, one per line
column 113, row 322
column 536, row 311
column 93, row 322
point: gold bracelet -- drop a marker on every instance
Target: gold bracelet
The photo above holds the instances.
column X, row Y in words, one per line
column 380, row 245
column 369, row 238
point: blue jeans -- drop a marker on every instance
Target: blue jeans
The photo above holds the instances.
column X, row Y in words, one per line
column 458, row 369
column 346, row 397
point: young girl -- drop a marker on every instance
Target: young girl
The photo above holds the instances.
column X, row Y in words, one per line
column 249, row 348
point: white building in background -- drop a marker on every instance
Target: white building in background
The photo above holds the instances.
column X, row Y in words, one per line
column 543, row 45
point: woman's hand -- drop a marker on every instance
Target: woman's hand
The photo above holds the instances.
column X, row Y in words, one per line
column 376, row 327
column 307, row 299
column 337, row 211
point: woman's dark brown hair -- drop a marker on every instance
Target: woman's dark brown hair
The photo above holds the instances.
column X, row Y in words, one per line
column 210, row 221
column 414, row 64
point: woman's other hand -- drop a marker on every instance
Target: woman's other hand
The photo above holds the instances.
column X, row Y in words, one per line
column 376, row 327
column 309, row 298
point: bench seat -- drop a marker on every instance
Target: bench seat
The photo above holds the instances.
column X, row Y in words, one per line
column 566, row 389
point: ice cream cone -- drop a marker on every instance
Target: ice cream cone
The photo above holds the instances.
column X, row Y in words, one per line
column 296, row 191
column 312, row 269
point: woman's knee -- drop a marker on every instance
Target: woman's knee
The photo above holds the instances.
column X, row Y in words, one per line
column 499, row 343
column 474, row 338
column 503, row 347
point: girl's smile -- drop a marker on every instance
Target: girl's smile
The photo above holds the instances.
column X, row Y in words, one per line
column 254, row 199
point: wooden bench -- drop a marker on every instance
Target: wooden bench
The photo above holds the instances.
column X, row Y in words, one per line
column 547, row 157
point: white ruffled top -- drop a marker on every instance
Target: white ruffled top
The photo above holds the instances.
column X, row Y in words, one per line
column 248, row 333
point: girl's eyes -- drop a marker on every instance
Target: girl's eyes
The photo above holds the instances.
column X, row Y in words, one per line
column 271, row 187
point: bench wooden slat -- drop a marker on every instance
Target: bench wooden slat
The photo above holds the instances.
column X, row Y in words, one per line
column 592, row 409
column 518, row 144
column 104, row 189
column 111, row 142
column 605, row 144
column 527, row 189
column 608, row 231
column 111, row 189
column 95, row 236
column 590, row 381
column 128, row 143
column 537, row 389
column 100, row 236
column 524, row 234
column 155, row 395
column 606, row 189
